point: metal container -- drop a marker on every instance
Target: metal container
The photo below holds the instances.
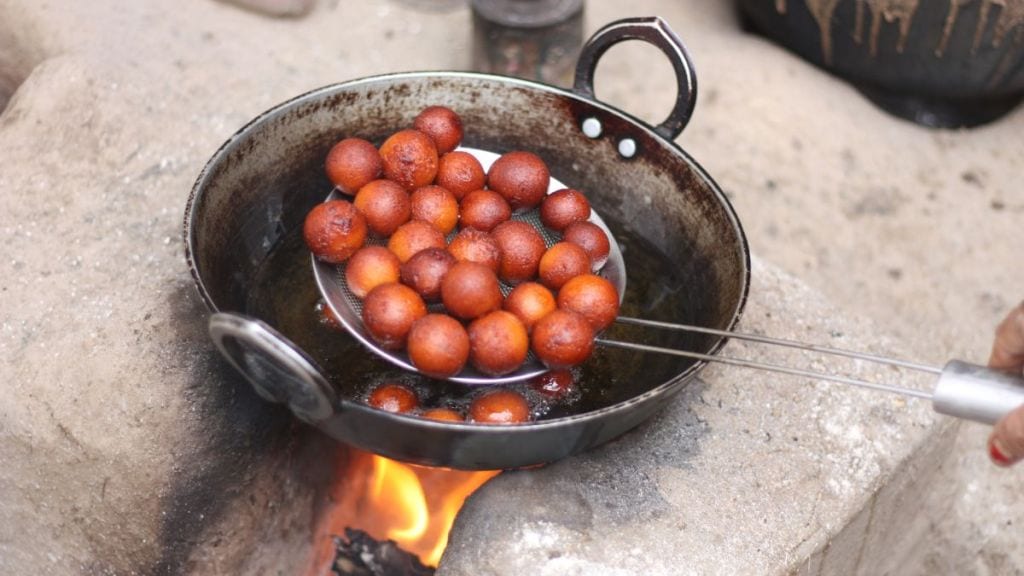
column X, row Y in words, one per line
column 254, row 193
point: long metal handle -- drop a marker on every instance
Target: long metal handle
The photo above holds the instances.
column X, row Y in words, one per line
column 963, row 390
column 976, row 393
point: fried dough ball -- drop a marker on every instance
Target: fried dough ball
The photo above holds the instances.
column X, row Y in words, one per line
column 393, row 397
column 460, row 173
column 412, row 237
column 562, row 262
column 472, row 245
column 424, row 271
column 334, row 230
column 521, row 248
column 389, row 311
column 556, row 384
column 409, row 158
column 562, row 208
column 470, row 290
column 521, row 178
column 370, row 267
column 437, row 206
column 499, row 407
column 385, row 205
column 438, row 345
column 352, row 164
column 593, row 297
column 444, row 415
column 442, row 125
column 591, row 238
column 498, row 343
column 483, row 210
column 563, row 339
column 530, row 302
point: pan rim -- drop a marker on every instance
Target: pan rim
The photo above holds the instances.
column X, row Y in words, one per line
column 343, row 404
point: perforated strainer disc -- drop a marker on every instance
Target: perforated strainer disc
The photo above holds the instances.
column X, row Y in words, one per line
column 330, row 279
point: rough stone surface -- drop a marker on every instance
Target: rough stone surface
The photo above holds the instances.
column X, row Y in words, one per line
column 127, row 446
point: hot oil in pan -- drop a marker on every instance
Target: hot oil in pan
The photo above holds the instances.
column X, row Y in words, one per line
column 285, row 296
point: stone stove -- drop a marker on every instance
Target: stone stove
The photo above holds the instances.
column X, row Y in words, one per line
column 128, row 446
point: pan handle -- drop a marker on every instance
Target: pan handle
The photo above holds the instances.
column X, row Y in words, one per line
column 652, row 30
column 277, row 369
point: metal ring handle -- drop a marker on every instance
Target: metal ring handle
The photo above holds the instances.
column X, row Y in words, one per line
column 652, row 30
column 277, row 369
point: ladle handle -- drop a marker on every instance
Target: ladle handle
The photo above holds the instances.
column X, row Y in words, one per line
column 976, row 393
column 277, row 369
column 652, row 30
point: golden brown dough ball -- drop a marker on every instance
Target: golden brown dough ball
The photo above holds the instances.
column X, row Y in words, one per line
column 443, row 126
column 409, row 158
column 385, row 205
column 352, row 164
column 389, row 311
column 370, row 267
column 334, row 230
column 521, row 177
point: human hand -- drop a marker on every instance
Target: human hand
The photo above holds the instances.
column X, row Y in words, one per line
column 1006, row 443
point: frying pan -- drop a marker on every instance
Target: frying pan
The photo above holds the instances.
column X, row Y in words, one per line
column 684, row 247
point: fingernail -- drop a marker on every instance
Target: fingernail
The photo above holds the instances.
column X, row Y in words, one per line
column 997, row 454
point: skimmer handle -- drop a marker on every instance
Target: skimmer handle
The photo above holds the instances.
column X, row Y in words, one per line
column 976, row 393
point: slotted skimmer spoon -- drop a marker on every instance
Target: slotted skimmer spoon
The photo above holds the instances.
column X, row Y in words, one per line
column 963, row 390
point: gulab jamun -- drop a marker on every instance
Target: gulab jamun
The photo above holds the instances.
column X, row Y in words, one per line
column 483, row 210
column 414, row 236
column 521, row 249
column 385, row 205
column 591, row 238
column 530, row 302
column 471, row 245
column 393, row 397
column 409, row 158
column 499, row 407
column 443, row 414
column 389, row 311
column 460, row 173
column 334, row 230
column 592, row 296
column 521, row 177
column 470, row 290
column 561, row 208
column 563, row 339
column 498, row 343
column 556, row 384
column 370, row 267
column 424, row 271
column 352, row 164
column 443, row 126
column 562, row 262
column 438, row 345
column 437, row 206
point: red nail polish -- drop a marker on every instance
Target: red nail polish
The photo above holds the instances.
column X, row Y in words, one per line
column 997, row 455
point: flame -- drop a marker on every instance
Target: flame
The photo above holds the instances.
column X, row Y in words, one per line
column 413, row 505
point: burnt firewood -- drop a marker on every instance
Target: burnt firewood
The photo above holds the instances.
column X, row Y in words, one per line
column 358, row 554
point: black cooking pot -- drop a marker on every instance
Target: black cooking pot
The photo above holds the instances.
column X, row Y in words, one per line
column 684, row 249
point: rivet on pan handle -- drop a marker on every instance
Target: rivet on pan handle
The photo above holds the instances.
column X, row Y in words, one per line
column 276, row 368
column 655, row 31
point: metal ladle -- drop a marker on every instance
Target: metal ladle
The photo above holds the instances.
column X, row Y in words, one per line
column 963, row 390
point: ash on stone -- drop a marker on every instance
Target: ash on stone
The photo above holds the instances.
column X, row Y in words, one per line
column 359, row 554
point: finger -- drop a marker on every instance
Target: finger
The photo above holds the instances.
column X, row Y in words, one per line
column 1008, row 348
column 1006, row 444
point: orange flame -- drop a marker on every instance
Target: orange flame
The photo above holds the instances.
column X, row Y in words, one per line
column 413, row 505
